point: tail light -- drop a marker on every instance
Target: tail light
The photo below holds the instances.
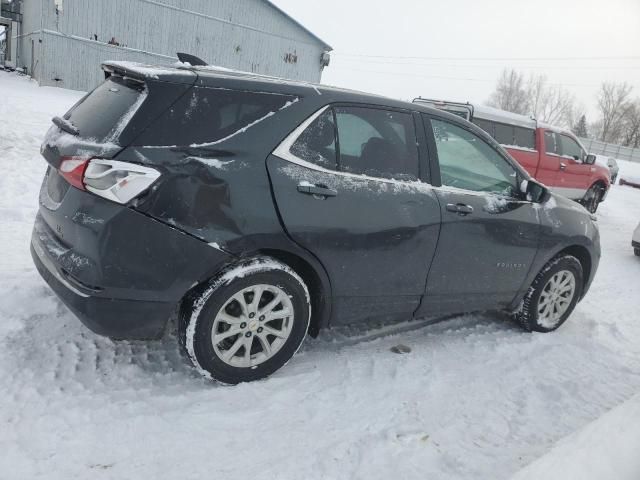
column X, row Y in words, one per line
column 116, row 181
column 72, row 170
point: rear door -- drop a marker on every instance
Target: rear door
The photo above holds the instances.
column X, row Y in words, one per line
column 489, row 235
column 347, row 186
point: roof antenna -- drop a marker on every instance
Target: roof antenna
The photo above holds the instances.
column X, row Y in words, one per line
column 191, row 59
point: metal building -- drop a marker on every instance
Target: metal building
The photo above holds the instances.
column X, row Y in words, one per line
column 63, row 42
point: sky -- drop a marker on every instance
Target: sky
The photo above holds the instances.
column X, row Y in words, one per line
column 456, row 49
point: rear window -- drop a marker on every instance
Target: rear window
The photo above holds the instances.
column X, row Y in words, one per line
column 209, row 115
column 99, row 115
column 525, row 137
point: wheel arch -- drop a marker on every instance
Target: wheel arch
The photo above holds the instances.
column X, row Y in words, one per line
column 583, row 256
column 311, row 272
column 317, row 282
column 578, row 251
column 600, row 182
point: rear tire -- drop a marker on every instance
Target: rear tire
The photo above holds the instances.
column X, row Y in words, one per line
column 552, row 296
column 636, row 252
column 247, row 323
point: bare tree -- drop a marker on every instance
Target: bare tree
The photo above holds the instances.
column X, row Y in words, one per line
column 535, row 97
column 510, row 93
column 613, row 103
column 550, row 103
column 631, row 126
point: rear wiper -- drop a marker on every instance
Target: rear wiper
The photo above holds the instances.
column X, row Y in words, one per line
column 65, row 125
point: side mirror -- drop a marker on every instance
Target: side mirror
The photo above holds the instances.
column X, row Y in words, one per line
column 535, row 192
column 590, row 160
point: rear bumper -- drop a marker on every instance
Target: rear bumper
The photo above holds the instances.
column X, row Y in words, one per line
column 119, row 271
column 116, row 318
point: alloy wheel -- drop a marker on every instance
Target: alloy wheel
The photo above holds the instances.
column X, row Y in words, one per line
column 252, row 326
column 556, row 298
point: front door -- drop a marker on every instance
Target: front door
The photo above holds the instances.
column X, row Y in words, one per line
column 549, row 166
column 575, row 175
column 346, row 185
column 489, row 234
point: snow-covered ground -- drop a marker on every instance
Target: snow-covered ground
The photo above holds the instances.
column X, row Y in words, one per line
column 476, row 398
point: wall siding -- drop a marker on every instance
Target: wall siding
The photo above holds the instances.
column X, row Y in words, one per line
column 248, row 35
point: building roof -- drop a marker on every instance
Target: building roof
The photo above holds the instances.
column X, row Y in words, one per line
column 290, row 18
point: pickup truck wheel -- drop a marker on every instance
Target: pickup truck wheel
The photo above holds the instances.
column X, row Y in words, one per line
column 552, row 296
column 636, row 252
column 592, row 198
column 247, row 323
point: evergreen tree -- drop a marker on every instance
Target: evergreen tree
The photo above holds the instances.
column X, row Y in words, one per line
column 580, row 129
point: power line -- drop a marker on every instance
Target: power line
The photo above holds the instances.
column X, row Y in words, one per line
column 436, row 64
column 468, row 79
column 511, row 59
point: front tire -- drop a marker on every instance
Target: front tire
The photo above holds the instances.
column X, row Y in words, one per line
column 247, row 323
column 592, row 198
column 552, row 296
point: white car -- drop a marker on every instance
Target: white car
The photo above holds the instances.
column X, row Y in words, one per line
column 635, row 241
column 611, row 164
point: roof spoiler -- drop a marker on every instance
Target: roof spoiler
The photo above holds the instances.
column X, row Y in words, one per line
column 111, row 68
column 191, row 59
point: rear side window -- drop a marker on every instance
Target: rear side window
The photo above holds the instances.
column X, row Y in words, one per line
column 99, row 115
column 525, row 137
column 485, row 125
column 377, row 142
column 211, row 115
column 317, row 144
column 551, row 144
column 504, row 134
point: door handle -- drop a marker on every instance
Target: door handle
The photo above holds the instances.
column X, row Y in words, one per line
column 318, row 189
column 459, row 208
column 563, row 166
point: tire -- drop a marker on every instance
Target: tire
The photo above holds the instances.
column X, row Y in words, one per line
column 592, row 198
column 636, row 252
column 534, row 314
column 227, row 304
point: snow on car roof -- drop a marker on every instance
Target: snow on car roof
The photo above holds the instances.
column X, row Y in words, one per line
column 497, row 115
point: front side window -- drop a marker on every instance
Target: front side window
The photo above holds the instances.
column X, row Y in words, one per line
column 468, row 162
column 375, row 142
column 570, row 148
column 551, row 143
column 317, row 144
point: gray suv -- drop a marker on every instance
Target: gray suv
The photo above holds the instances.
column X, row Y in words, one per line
column 262, row 210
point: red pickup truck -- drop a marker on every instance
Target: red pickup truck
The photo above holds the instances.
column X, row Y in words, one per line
column 552, row 155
